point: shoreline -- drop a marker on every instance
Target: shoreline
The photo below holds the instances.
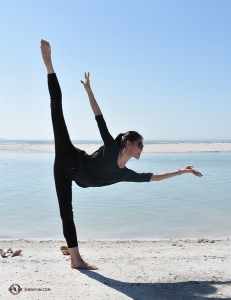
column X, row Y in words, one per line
column 156, row 269
column 148, row 148
column 194, row 239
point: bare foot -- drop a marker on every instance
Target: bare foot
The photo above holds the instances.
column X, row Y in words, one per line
column 46, row 54
column 77, row 262
column 83, row 265
column 46, row 51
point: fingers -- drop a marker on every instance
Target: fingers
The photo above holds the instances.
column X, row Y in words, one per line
column 87, row 75
column 87, row 81
column 189, row 167
column 191, row 170
column 197, row 173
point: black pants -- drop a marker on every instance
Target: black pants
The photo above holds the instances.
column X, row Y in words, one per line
column 65, row 164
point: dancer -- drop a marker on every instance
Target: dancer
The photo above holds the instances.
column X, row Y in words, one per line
column 105, row 166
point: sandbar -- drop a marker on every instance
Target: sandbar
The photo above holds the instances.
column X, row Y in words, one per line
column 148, row 148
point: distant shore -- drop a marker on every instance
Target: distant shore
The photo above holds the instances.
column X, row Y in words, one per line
column 148, row 148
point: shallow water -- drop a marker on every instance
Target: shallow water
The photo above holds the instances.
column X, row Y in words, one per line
column 183, row 206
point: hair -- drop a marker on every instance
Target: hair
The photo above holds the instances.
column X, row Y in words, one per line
column 131, row 136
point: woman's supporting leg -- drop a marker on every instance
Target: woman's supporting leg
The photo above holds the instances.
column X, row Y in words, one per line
column 64, row 193
column 63, row 148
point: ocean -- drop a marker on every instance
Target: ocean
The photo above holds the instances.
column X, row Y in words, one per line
column 181, row 207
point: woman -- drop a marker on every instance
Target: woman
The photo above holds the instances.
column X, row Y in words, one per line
column 105, row 166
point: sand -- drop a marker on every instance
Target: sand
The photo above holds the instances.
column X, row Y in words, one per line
column 157, row 269
column 148, row 148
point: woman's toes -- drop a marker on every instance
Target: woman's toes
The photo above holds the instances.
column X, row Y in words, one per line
column 83, row 265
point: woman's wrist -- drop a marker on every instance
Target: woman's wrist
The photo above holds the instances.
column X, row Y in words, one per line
column 179, row 171
column 184, row 171
column 88, row 89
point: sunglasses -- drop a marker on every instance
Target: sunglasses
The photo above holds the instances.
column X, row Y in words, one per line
column 140, row 145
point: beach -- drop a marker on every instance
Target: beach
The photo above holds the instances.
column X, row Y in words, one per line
column 136, row 269
column 148, row 148
column 141, row 269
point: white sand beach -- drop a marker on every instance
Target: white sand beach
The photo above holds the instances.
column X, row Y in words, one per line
column 148, row 148
column 157, row 269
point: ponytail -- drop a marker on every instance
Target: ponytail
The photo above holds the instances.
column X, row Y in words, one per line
column 122, row 138
column 118, row 139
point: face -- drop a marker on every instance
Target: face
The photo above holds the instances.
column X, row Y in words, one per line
column 136, row 148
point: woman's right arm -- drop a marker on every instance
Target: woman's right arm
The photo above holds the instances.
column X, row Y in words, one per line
column 166, row 175
column 93, row 103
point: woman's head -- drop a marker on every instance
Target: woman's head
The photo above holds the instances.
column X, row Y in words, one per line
column 131, row 140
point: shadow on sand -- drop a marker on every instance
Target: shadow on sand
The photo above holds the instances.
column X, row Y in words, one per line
column 189, row 290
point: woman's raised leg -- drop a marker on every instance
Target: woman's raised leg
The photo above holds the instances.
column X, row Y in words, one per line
column 63, row 145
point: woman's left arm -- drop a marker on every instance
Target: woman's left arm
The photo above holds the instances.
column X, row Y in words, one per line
column 93, row 103
column 166, row 175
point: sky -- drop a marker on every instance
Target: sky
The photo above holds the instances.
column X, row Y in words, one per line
column 160, row 67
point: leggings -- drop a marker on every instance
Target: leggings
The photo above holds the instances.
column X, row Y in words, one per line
column 65, row 164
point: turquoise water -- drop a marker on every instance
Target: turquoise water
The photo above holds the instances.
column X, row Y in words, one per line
column 183, row 206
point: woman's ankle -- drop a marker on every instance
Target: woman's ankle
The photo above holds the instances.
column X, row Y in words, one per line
column 49, row 67
column 74, row 252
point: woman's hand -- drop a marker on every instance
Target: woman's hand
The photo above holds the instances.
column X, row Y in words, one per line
column 189, row 169
column 86, row 84
column 93, row 103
